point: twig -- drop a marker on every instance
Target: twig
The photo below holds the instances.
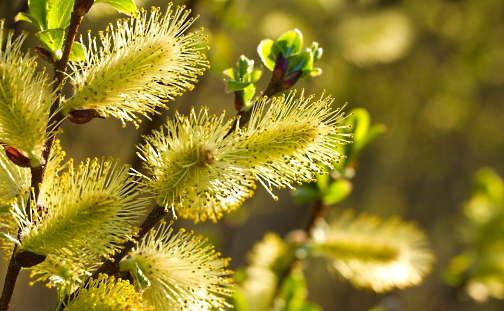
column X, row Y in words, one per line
column 10, row 282
column 53, row 125
column 318, row 211
column 111, row 265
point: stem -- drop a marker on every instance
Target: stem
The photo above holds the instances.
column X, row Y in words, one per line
column 318, row 211
column 10, row 282
column 111, row 265
column 38, row 173
column 276, row 85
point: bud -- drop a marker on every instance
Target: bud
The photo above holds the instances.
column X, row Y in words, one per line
column 195, row 168
column 28, row 259
column 141, row 64
column 375, row 253
column 107, row 293
column 25, row 103
column 183, row 271
column 82, row 116
column 45, row 54
column 81, row 7
column 17, row 157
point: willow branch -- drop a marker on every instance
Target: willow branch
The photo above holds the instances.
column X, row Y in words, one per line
column 10, row 282
column 53, row 125
column 111, row 265
column 318, row 211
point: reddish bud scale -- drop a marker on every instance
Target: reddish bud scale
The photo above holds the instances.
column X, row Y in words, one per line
column 291, row 79
column 82, row 116
column 17, row 157
column 29, row 259
column 281, row 66
column 81, row 7
column 45, row 54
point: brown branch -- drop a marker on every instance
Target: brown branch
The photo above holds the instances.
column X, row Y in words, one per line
column 111, row 265
column 318, row 211
column 53, row 125
column 10, row 282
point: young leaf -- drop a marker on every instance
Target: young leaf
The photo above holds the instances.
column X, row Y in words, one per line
column 248, row 93
column 265, row 50
column 27, row 18
column 78, row 52
column 290, row 42
column 125, row 6
column 317, row 52
column 231, row 73
column 59, row 14
column 255, row 75
column 233, row 86
column 52, row 40
column 338, row 190
column 137, row 273
column 38, row 9
column 294, row 292
column 308, row 192
column 302, row 62
column 363, row 132
column 316, row 72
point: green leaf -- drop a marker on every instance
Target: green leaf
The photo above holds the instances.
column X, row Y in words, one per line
column 293, row 293
column 142, row 279
column 302, row 62
column 244, row 65
column 125, row 6
column 132, row 266
column 323, row 181
column 27, row 18
column 249, row 92
column 267, row 54
column 39, row 10
column 255, row 75
column 361, row 121
column 363, row 133
column 290, row 42
column 59, row 14
column 78, row 52
column 231, row 73
column 52, row 39
column 308, row 192
column 316, row 51
column 337, row 191
column 233, row 86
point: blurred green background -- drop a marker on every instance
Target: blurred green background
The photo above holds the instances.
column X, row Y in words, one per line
column 432, row 71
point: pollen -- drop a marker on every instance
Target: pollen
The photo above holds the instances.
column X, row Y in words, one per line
column 185, row 272
column 138, row 65
column 194, row 168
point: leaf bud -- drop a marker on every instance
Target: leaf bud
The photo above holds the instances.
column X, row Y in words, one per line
column 28, row 259
column 82, row 116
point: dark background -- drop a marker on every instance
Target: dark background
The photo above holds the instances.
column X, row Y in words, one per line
column 430, row 70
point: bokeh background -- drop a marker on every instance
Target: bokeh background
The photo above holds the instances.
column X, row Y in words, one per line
column 432, row 71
